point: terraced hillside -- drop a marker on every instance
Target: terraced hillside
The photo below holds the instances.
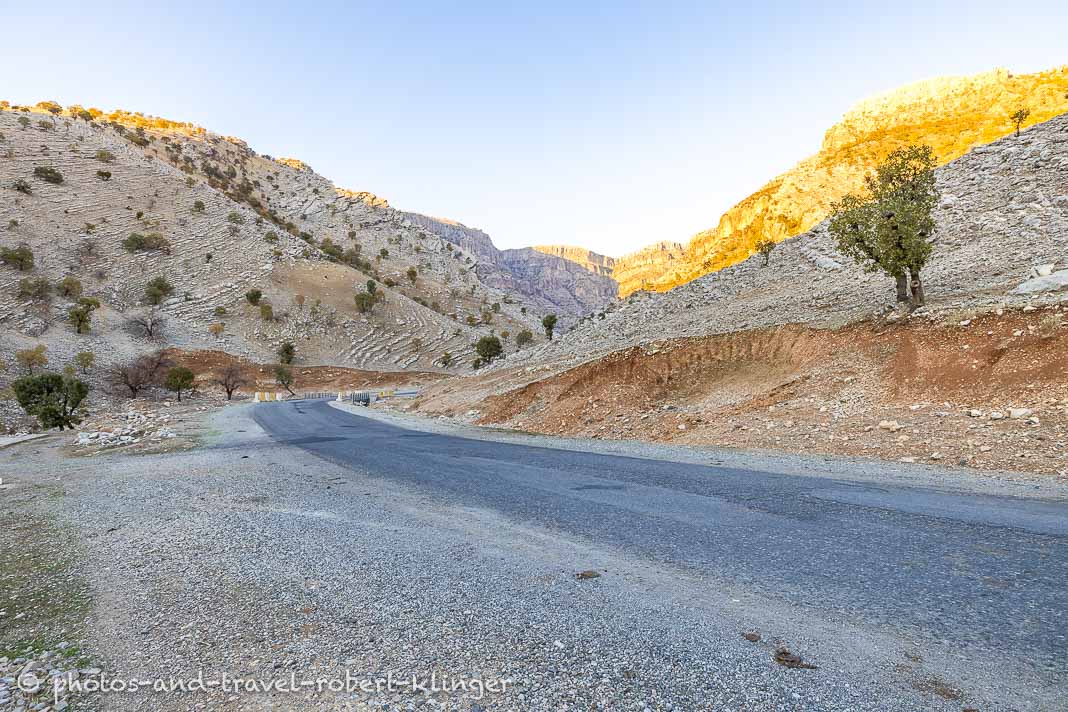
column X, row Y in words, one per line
column 218, row 220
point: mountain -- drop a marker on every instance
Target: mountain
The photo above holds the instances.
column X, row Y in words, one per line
column 951, row 114
column 115, row 200
column 633, row 271
column 553, row 282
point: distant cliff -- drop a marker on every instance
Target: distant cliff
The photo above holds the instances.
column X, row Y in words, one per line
column 553, row 281
column 633, row 271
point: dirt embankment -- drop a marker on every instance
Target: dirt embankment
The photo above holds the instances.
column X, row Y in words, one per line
column 988, row 392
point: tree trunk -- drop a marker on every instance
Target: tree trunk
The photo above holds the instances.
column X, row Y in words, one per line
column 902, row 287
column 918, row 298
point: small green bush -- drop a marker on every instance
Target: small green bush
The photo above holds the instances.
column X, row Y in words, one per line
column 152, row 242
column 21, row 257
column 157, row 290
column 48, row 175
column 253, row 296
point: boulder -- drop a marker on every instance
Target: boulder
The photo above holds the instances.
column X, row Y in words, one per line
column 1053, row 282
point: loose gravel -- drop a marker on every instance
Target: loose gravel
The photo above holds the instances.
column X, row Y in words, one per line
column 258, row 560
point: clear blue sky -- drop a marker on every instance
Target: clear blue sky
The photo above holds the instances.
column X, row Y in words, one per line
column 608, row 125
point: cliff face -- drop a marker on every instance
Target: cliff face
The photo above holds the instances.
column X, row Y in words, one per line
column 554, row 282
column 633, row 271
column 589, row 260
column 951, row 114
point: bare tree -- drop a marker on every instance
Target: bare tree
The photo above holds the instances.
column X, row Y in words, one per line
column 231, row 378
column 140, row 373
column 149, row 323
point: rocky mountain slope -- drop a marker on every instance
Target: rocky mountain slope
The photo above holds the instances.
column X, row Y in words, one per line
column 216, row 220
column 1002, row 219
column 552, row 282
column 951, row 114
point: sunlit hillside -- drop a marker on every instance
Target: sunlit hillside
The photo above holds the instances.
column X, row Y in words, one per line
column 952, row 114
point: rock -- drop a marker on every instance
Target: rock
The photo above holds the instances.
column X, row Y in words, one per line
column 586, row 575
column 973, row 413
column 997, row 415
column 1043, row 270
column 1049, row 283
column 892, row 425
column 1019, row 413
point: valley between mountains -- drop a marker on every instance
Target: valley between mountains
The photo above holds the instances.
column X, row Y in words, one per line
column 255, row 424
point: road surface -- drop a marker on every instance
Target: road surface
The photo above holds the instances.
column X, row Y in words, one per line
column 978, row 577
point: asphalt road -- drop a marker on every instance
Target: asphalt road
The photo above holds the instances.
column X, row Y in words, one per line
column 985, row 575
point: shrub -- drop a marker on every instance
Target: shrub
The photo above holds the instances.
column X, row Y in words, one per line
column 383, row 253
column 84, row 360
column 20, row 257
column 271, row 237
column 198, row 206
column 286, row 352
column 48, row 175
column 69, row 287
column 81, row 315
column 51, row 398
column 365, row 302
column 1050, row 325
column 488, row 348
column 216, row 329
column 331, row 249
column 22, row 186
column 157, row 290
column 33, row 358
column 548, row 322
column 371, row 286
column 220, row 311
column 35, row 289
column 104, row 156
column 445, row 359
column 524, row 337
column 152, row 242
column 283, row 376
column 253, row 296
column 103, row 175
column 179, row 379
column 235, row 217
column 266, row 311
column 413, row 274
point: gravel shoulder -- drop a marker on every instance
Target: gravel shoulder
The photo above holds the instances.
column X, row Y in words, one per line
column 252, row 557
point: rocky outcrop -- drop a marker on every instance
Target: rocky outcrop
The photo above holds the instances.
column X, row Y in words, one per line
column 557, row 283
column 633, row 271
column 951, row 114
column 639, row 270
column 589, row 260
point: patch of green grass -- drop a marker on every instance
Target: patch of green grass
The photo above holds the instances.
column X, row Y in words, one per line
column 45, row 602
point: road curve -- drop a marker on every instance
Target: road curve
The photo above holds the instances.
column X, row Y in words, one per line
column 989, row 574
